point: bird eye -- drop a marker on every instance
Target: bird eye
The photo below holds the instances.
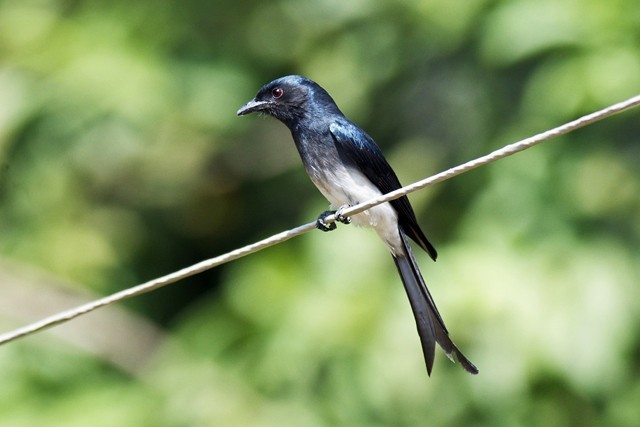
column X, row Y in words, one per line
column 277, row 92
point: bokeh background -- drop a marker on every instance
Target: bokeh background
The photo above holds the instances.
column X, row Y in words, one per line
column 121, row 159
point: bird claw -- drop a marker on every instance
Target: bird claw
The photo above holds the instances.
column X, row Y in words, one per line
column 340, row 217
column 337, row 214
column 323, row 226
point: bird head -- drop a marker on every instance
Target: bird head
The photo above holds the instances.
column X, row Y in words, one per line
column 290, row 99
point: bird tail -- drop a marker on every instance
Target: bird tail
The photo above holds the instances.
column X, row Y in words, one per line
column 430, row 325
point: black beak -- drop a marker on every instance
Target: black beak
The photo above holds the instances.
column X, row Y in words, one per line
column 252, row 106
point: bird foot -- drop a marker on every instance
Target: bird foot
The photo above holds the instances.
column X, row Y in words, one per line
column 322, row 225
column 340, row 217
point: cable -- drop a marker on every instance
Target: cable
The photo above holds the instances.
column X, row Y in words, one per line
column 151, row 285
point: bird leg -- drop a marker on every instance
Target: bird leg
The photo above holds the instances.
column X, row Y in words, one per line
column 322, row 225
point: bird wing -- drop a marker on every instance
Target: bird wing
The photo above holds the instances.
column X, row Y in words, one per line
column 360, row 150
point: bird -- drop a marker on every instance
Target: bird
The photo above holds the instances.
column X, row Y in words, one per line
column 348, row 167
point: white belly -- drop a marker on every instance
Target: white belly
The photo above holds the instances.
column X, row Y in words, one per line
column 350, row 188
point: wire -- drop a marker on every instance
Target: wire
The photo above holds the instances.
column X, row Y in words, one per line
column 151, row 285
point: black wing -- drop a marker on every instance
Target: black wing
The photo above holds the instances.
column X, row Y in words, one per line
column 359, row 149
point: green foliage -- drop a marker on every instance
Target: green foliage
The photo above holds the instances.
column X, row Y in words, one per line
column 121, row 159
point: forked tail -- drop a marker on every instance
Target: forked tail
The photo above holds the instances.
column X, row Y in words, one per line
column 430, row 325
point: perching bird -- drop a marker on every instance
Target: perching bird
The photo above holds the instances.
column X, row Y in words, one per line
column 348, row 168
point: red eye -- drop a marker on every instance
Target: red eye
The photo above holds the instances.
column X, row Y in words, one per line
column 277, row 92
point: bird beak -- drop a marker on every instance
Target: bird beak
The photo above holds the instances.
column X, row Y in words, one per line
column 252, row 106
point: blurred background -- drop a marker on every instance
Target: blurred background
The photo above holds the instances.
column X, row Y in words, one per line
column 122, row 159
